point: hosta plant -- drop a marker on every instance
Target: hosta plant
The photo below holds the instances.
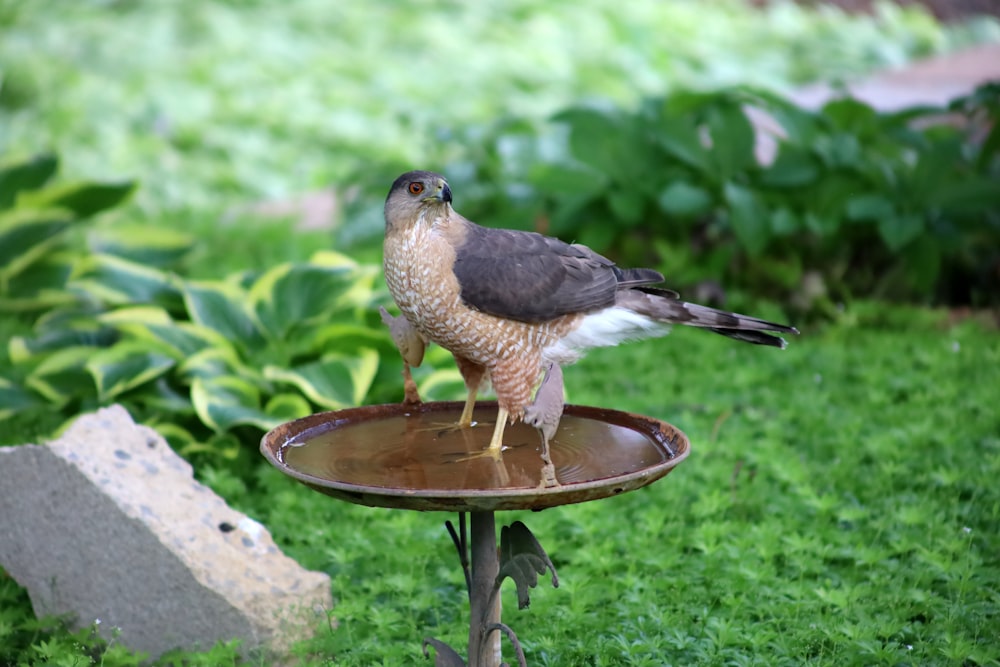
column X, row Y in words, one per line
column 198, row 360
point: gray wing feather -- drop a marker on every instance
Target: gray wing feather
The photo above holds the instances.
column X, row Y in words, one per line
column 534, row 278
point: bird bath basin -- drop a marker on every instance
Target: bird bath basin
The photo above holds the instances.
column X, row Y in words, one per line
column 406, row 456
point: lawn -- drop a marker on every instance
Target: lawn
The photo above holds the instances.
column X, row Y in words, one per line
column 838, row 508
column 840, row 505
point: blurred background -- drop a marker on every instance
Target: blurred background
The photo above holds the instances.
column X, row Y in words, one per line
column 305, row 111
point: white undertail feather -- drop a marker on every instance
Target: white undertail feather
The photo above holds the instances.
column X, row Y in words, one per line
column 604, row 328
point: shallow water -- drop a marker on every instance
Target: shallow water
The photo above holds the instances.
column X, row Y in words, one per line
column 420, row 451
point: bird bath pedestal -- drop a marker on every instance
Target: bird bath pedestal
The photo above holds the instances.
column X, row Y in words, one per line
column 406, row 456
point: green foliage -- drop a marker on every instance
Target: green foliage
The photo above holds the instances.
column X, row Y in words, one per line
column 35, row 220
column 198, row 357
column 253, row 100
column 899, row 205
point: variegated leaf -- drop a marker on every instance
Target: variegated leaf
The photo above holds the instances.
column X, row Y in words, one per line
column 125, row 366
column 220, row 306
column 335, row 381
column 291, row 296
column 14, row 397
column 227, row 401
column 117, row 281
column 62, row 375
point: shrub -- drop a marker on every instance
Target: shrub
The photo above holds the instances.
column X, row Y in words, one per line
column 854, row 203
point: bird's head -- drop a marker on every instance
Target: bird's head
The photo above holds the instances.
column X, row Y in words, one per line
column 413, row 193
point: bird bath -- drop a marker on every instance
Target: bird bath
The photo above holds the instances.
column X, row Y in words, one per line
column 405, row 456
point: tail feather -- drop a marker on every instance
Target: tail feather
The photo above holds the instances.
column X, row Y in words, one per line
column 666, row 307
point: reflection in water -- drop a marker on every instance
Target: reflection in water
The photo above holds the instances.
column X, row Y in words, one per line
column 422, row 452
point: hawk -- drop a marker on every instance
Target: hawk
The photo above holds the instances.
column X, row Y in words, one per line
column 514, row 306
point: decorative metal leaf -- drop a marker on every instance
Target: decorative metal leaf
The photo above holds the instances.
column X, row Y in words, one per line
column 522, row 559
column 444, row 655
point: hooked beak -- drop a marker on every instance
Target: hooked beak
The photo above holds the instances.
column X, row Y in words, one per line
column 441, row 193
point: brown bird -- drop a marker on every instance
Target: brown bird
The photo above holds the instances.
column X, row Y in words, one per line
column 512, row 305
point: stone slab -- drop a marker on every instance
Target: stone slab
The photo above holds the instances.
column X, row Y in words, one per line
column 108, row 523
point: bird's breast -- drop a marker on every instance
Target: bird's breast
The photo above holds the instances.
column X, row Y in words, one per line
column 418, row 265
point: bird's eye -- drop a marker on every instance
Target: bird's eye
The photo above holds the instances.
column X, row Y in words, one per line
column 416, row 188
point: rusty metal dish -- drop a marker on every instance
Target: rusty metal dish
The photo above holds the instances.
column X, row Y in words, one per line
column 411, row 457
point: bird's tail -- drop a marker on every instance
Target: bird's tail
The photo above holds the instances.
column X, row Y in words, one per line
column 666, row 306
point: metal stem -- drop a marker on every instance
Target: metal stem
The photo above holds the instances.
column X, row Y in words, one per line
column 484, row 651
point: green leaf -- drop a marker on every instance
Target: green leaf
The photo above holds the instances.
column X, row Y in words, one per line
column 62, row 375
column 151, row 246
column 227, row 401
column 793, row 167
column 566, row 179
column 117, row 281
column 923, row 264
column 179, row 437
column 26, row 236
column 348, row 338
column 332, row 259
column 869, row 206
column 732, row 139
column 180, row 340
column 594, row 137
column 784, row 222
column 747, row 218
column 898, row 230
column 335, row 381
column 83, row 199
column 125, row 366
column 161, row 398
column 40, row 286
column 799, row 124
column 288, row 406
column 678, row 136
column 851, row 115
column 142, row 314
column 211, row 362
column 13, row 398
column 292, row 296
column 971, row 194
column 627, row 205
column 220, row 307
column 27, row 175
column 684, row 199
column 72, row 333
column 441, row 385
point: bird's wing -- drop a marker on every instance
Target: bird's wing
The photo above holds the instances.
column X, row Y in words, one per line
column 534, row 278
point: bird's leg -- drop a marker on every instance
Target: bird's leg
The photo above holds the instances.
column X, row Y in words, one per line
column 545, row 413
column 472, row 374
column 496, row 442
column 465, row 420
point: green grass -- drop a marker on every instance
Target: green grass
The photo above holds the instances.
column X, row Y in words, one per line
column 839, row 508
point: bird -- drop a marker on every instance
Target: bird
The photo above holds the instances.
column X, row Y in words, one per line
column 513, row 307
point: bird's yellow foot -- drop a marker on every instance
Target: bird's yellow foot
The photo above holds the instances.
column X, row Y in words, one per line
column 465, row 421
column 495, row 448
